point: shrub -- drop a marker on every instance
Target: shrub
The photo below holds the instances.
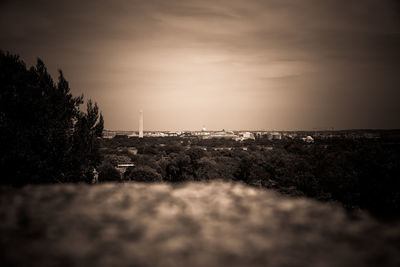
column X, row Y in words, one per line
column 107, row 173
column 142, row 174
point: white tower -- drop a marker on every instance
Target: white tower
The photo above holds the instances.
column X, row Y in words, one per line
column 141, row 124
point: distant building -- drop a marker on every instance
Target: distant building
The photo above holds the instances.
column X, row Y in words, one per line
column 122, row 167
column 219, row 135
column 276, row 136
column 245, row 136
column 308, row 139
column 170, row 133
column 141, row 124
column 108, row 134
column 134, row 134
column 248, row 135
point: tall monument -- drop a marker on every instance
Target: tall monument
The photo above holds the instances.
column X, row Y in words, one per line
column 141, row 124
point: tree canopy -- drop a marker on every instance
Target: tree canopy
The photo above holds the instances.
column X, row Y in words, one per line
column 44, row 135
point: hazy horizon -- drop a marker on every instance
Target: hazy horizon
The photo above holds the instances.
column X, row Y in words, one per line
column 252, row 130
column 230, row 64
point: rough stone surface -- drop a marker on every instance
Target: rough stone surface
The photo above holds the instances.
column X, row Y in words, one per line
column 194, row 224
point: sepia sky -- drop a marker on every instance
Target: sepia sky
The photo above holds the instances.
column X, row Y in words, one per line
column 230, row 64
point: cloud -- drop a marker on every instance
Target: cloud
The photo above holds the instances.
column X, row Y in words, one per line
column 296, row 57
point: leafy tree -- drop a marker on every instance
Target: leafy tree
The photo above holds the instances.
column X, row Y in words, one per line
column 42, row 128
column 207, row 169
column 85, row 144
column 107, row 173
column 142, row 174
column 175, row 147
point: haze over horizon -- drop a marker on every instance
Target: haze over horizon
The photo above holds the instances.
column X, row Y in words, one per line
column 229, row 64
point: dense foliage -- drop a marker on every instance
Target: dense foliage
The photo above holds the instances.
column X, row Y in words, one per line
column 107, row 173
column 363, row 173
column 44, row 136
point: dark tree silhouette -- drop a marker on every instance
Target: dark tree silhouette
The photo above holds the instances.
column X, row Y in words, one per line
column 107, row 173
column 44, row 137
column 142, row 174
column 85, row 146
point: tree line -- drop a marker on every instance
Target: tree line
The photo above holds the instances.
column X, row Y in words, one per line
column 44, row 135
column 358, row 173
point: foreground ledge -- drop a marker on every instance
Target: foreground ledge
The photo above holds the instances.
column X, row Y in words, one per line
column 193, row 224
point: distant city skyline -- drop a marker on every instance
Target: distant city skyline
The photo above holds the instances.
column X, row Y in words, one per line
column 229, row 64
